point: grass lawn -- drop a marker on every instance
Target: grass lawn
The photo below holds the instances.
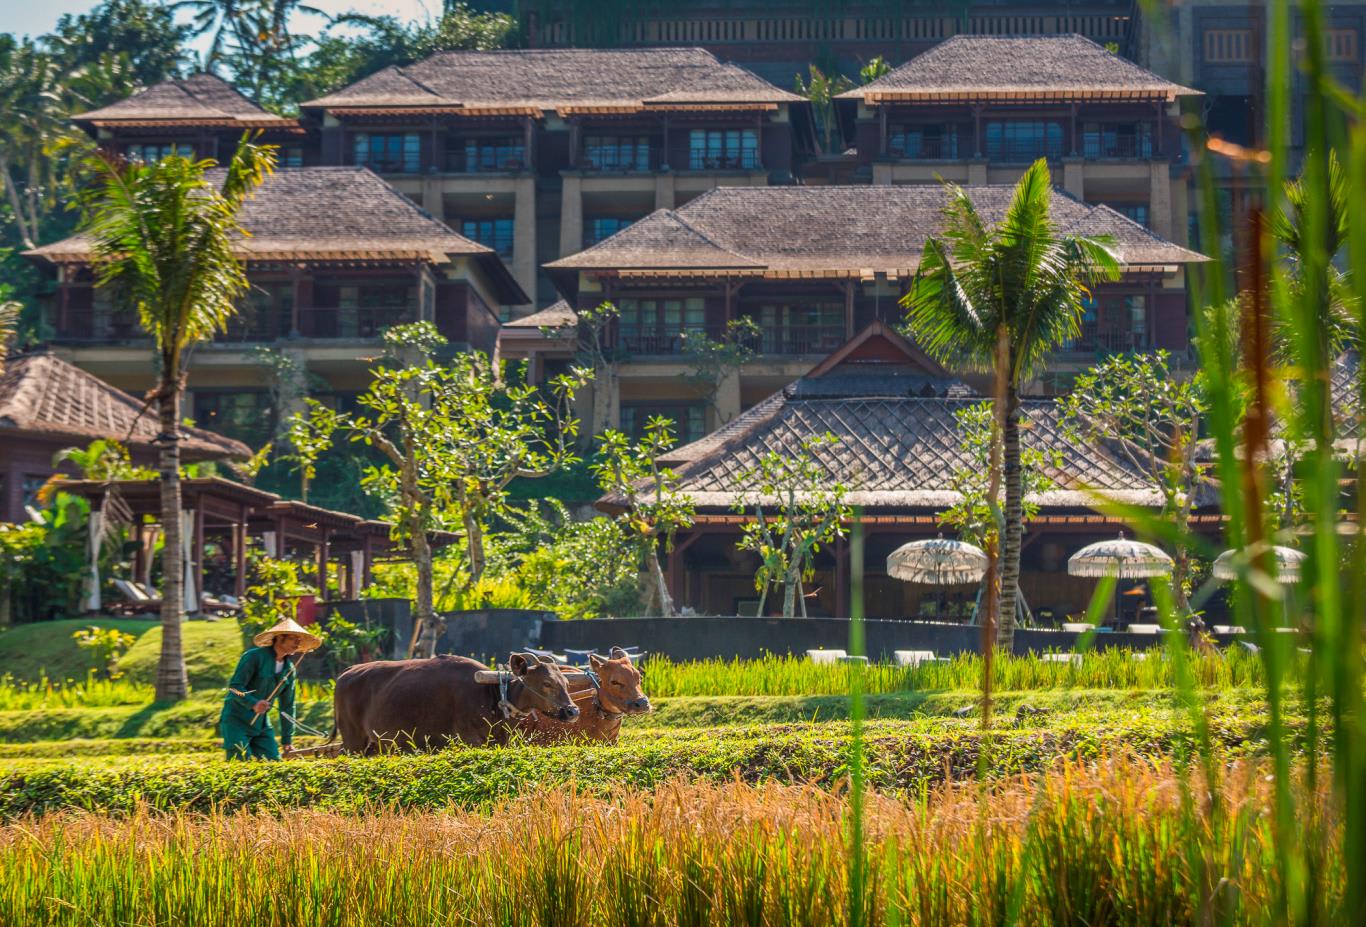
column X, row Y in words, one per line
column 212, row 649
column 29, row 651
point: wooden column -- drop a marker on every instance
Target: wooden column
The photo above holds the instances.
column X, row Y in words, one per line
column 198, row 552
column 841, row 578
column 367, row 551
column 239, row 553
column 1072, row 112
column 977, row 130
column 1159, row 142
column 848, row 309
column 882, row 131
column 664, row 149
column 759, row 139
column 575, row 142
column 296, row 281
column 322, row 563
column 528, row 144
column 674, row 575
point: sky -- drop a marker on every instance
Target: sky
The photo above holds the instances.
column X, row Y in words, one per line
column 35, row 17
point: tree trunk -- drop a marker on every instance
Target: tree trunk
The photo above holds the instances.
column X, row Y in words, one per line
column 171, row 682
column 430, row 627
column 474, row 547
column 1014, row 521
column 789, row 596
column 666, row 602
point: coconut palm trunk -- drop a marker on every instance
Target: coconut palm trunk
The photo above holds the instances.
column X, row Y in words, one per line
column 1014, row 521
column 171, row 681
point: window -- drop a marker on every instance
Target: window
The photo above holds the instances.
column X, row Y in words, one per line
column 926, row 142
column 595, row 230
column 1018, row 140
column 246, row 415
column 653, row 326
column 690, row 420
column 291, row 156
column 1117, row 140
column 1228, row 46
column 1341, row 44
column 389, row 154
column 495, row 233
column 264, row 315
column 807, row 328
column 1135, row 211
column 617, row 152
column 710, row 149
column 1113, row 323
column 157, row 151
column 493, row 154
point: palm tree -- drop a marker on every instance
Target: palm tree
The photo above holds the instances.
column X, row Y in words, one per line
column 999, row 298
column 9, row 327
column 164, row 240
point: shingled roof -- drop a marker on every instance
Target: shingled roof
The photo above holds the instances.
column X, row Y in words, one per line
column 852, row 231
column 43, row 396
column 332, row 213
column 533, row 81
column 1035, row 67
column 199, row 100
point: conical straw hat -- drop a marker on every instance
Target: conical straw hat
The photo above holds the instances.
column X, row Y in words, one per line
column 307, row 642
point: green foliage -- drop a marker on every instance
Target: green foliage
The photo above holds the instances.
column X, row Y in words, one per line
column 107, row 644
column 821, row 90
column 876, row 67
column 44, row 650
column 212, row 649
column 712, row 362
column 795, row 509
column 974, row 516
column 581, row 569
column 273, row 587
column 652, row 508
column 42, row 564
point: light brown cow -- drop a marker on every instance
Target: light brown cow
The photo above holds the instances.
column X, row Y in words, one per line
column 426, row 704
column 617, row 694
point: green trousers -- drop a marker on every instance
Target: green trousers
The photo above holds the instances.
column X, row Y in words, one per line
column 247, row 741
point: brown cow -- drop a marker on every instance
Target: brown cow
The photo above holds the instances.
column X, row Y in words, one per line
column 426, row 704
column 617, row 695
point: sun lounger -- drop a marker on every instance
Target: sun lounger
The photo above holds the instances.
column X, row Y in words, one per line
column 854, row 658
column 1229, row 629
column 825, row 656
column 1144, row 628
column 136, row 599
column 1073, row 658
column 913, row 658
column 1077, row 627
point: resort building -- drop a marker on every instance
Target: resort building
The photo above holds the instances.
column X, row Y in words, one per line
column 335, row 256
column 540, row 153
column 48, row 405
column 201, row 116
column 979, row 109
column 810, row 266
column 897, row 449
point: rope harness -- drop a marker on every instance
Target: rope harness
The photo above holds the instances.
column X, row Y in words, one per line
column 505, row 705
column 597, row 698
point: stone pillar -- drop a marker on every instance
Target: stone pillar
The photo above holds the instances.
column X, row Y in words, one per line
column 882, row 173
column 1180, row 230
column 571, row 215
column 432, row 200
column 664, row 190
column 1160, row 198
column 727, row 399
column 524, row 235
column 977, row 172
column 1072, row 180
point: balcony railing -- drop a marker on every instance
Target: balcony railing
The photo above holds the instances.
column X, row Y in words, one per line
column 355, row 322
column 801, row 339
column 730, row 161
column 1108, row 340
column 655, row 340
column 925, row 148
column 485, row 161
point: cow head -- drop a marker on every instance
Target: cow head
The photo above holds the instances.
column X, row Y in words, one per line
column 620, row 681
column 544, row 687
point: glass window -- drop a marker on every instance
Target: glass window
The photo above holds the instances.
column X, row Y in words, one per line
column 390, row 153
column 617, row 152
column 595, row 230
column 690, row 420
column 157, row 151
column 1117, row 140
column 1228, row 46
column 1136, row 211
column 923, row 141
column 653, row 326
column 1341, row 44
column 1020, row 140
column 710, row 149
column 495, row 233
column 246, row 415
column 801, row 328
column 292, row 156
column 494, row 154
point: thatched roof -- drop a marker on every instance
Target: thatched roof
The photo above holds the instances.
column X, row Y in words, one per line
column 332, row 214
column 533, row 81
column 853, row 231
column 897, row 441
column 1036, row 67
column 43, row 396
column 558, row 314
column 202, row 100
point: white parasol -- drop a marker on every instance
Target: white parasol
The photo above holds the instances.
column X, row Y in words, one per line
column 1121, row 558
column 938, row 562
column 1288, row 561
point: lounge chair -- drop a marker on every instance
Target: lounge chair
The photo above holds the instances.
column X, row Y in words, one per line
column 1144, row 628
column 136, row 599
column 825, row 656
column 853, row 658
column 1229, row 629
column 913, row 658
column 1077, row 627
column 1073, row 658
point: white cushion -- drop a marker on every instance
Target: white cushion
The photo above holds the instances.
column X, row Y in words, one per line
column 913, row 657
column 825, row 656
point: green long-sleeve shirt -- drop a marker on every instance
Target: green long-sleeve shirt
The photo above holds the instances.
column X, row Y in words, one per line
column 255, row 675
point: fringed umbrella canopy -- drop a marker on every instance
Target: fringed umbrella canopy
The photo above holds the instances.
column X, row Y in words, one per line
column 1121, row 558
column 1288, row 561
column 939, row 562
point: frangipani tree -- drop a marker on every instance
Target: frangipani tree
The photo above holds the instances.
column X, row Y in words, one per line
column 796, row 509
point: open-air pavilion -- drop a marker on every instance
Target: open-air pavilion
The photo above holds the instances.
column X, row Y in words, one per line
column 220, row 519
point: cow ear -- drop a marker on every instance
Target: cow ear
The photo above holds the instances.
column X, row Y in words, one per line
column 545, row 659
column 518, row 663
column 595, row 661
column 618, row 654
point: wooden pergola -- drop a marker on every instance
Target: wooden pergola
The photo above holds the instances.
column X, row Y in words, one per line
column 232, row 513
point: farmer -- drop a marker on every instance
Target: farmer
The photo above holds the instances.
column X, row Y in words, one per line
column 265, row 674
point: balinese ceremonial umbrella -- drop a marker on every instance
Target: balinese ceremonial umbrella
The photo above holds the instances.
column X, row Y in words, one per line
column 1121, row 558
column 938, row 562
column 1288, row 561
